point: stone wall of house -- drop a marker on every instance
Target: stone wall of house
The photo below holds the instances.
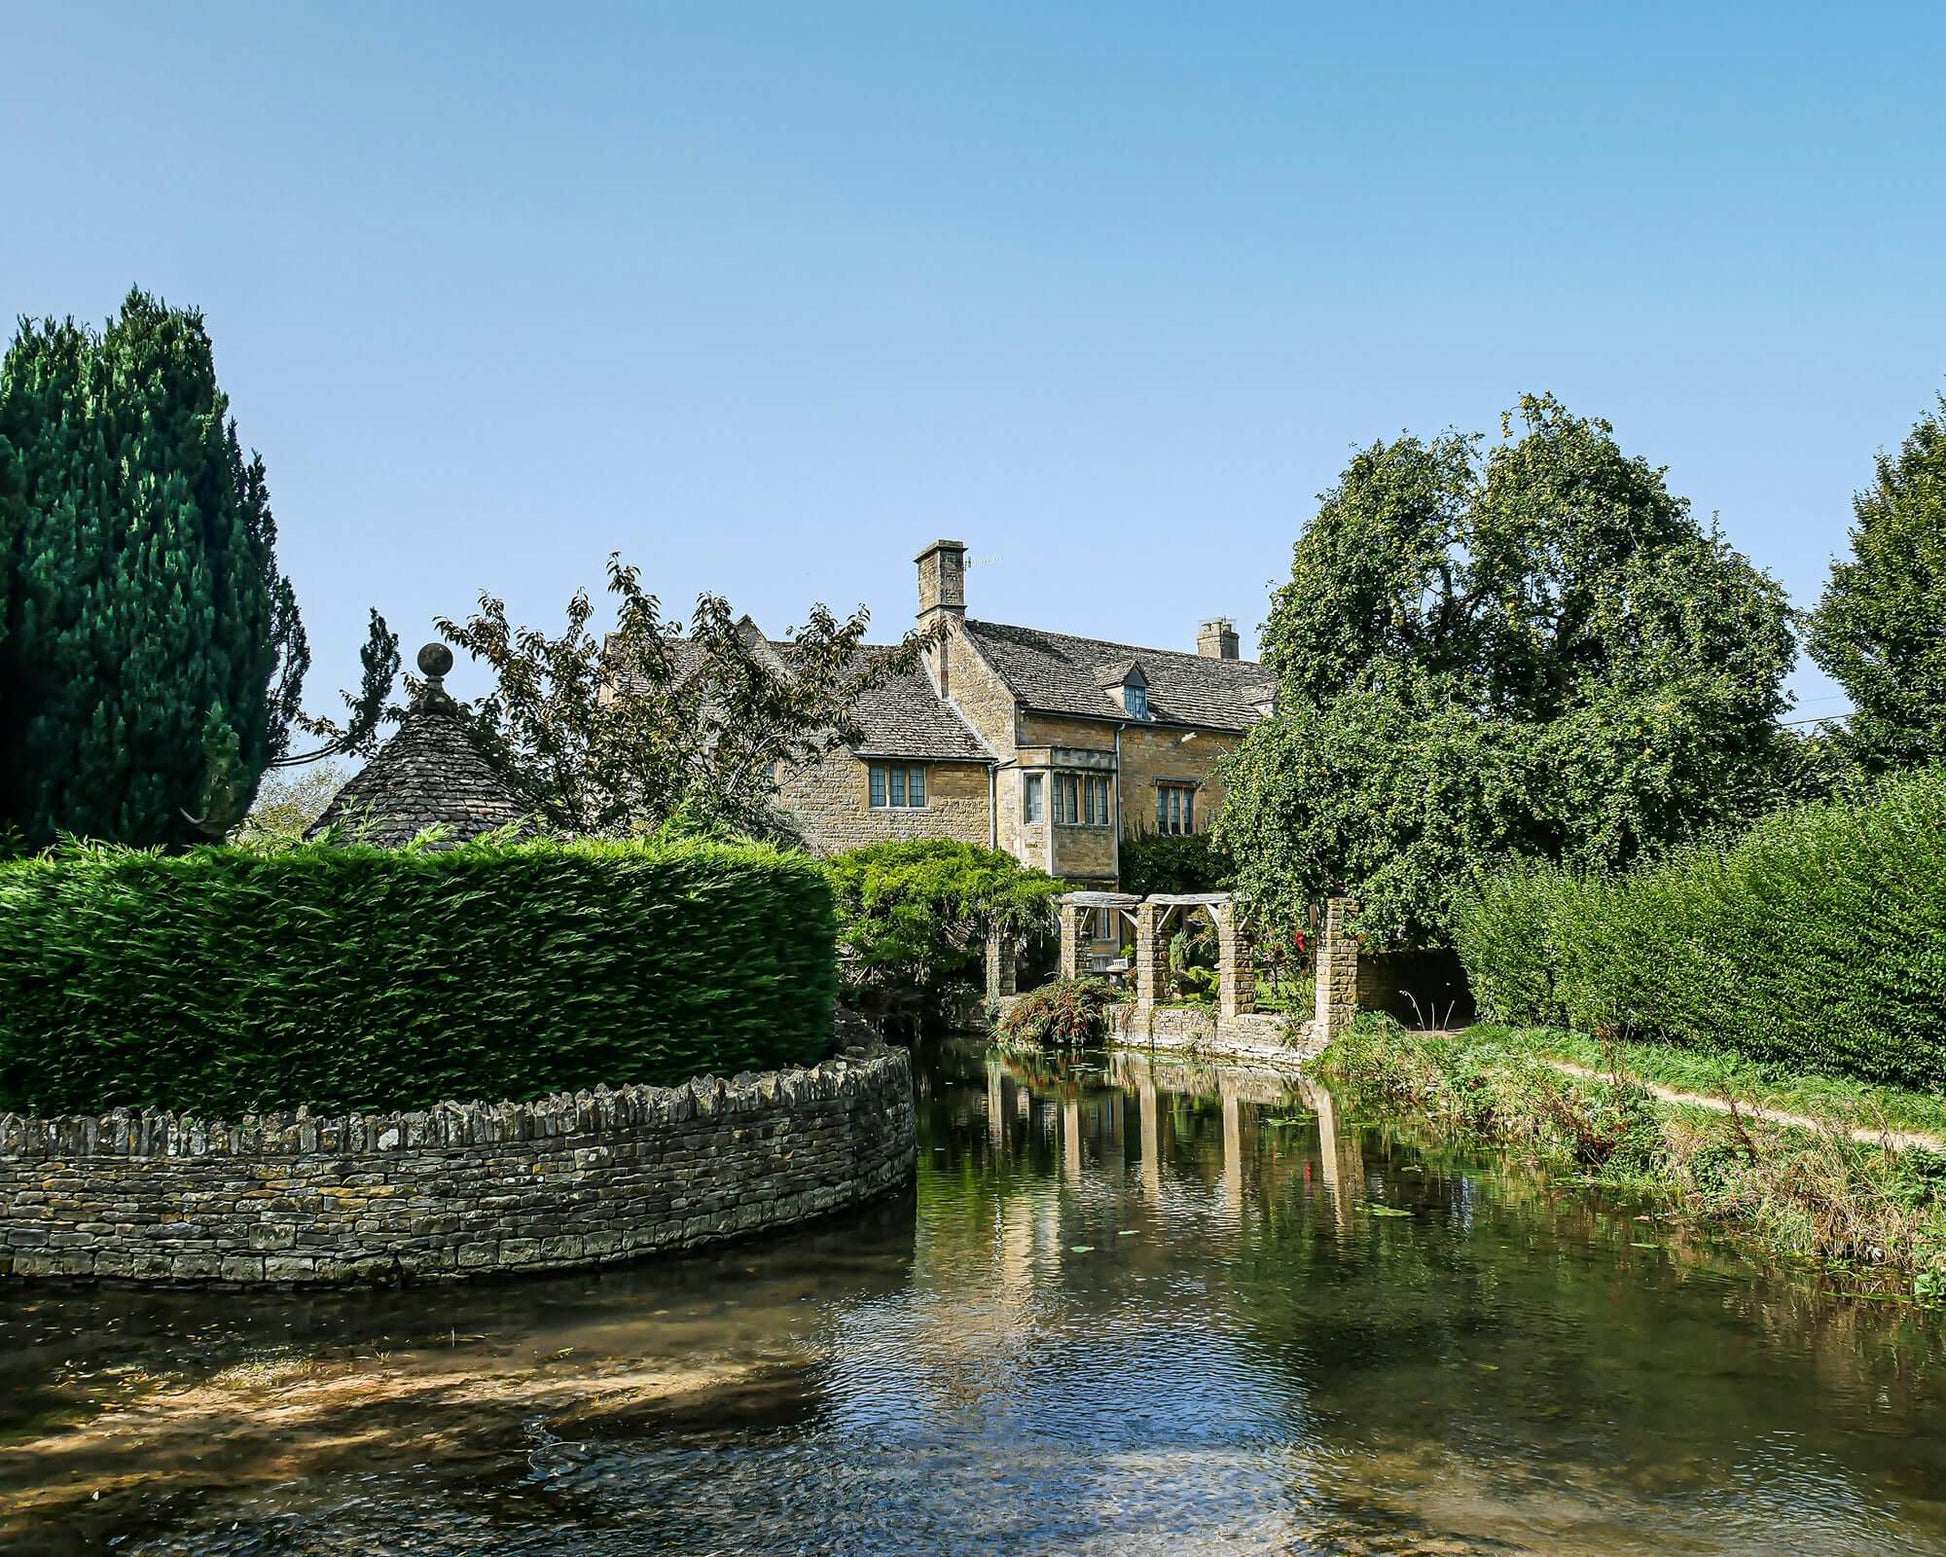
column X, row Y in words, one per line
column 459, row 1190
column 831, row 802
column 1152, row 756
column 983, row 699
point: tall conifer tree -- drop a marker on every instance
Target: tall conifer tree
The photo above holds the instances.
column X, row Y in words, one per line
column 151, row 654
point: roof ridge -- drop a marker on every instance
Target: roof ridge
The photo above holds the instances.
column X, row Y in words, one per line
column 1133, row 649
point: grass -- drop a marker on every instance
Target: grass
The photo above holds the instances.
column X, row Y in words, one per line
column 1818, row 1195
column 1712, row 1073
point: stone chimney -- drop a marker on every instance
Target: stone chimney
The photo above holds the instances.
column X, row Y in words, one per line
column 942, row 602
column 1217, row 639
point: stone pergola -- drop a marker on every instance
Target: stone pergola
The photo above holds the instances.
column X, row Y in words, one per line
column 1154, row 919
column 1342, row 975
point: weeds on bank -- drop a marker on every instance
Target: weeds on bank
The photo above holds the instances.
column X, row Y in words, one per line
column 1819, row 1194
column 1714, row 1073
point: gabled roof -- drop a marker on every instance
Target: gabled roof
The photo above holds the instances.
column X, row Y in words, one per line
column 429, row 774
column 905, row 717
column 1056, row 673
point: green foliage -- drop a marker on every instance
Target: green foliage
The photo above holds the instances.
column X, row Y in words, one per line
column 1880, row 630
column 1817, row 941
column 1820, row 1193
column 1175, row 862
column 1717, row 1073
column 151, row 656
column 1532, row 653
column 289, row 800
column 1066, row 1011
column 611, row 734
column 225, row 980
column 914, row 918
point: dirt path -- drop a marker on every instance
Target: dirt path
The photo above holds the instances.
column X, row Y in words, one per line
column 1896, row 1140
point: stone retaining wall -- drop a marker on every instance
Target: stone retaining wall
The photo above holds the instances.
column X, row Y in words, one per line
column 1205, row 1031
column 458, row 1190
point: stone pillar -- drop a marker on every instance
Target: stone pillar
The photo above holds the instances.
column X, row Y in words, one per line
column 1151, row 956
column 1236, row 964
column 1000, row 964
column 1071, row 914
column 1337, row 970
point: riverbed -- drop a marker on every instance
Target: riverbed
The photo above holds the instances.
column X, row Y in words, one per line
column 1128, row 1306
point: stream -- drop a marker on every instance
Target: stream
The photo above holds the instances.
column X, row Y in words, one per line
column 1130, row 1305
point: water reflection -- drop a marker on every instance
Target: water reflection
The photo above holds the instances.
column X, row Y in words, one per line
column 1132, row 1305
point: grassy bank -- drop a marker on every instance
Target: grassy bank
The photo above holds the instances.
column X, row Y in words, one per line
column 1716, row 1074
column 1810, row 1194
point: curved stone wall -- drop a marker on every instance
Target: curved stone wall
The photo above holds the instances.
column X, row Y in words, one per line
column 458, row 1190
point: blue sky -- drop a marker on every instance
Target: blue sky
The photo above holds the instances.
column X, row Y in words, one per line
column 766, row 297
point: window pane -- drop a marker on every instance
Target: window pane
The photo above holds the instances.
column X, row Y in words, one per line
column 916, row 787
column 1033, row 797
column 878, row 785
column 1162, row 810
column 898, row 786
column 1189, row 810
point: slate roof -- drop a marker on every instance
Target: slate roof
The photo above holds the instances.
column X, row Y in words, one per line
column 1056, row 673
column 429, row 774
column 905, row 717
column 901, row 717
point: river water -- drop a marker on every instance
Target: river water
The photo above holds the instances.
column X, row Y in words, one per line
column 1129, row 1307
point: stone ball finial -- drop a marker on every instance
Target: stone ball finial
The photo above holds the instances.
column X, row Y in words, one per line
column 435, row 659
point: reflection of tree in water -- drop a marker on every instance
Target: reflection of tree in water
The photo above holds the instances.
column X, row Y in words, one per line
column 1261, row 1358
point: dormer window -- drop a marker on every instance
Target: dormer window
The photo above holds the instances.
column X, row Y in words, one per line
column 1127, row 686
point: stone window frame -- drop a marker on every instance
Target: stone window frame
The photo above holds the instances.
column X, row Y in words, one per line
column 1033, row 799
column 1083, row 800
column 890, row 786
column 1175, row 809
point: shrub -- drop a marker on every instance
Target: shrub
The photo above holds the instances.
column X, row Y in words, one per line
column 913, row 920
column 1816, row 941
column 1175, row 862
column 226, row 981
column 1068, row 1011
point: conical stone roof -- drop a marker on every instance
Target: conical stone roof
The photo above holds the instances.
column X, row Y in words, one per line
column 429, row 774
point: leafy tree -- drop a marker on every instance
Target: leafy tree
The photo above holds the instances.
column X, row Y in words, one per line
column 656, row 728
column 289, row 800
column 1174, row 862
column 914, row 919
column 152, row 660
column 1880, row 630
column 1528, row 650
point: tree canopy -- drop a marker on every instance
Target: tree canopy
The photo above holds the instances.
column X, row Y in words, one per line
column 914, row 917
column 152, row 660
column 1880, row 629
column 663, row 724
column 1524, row 650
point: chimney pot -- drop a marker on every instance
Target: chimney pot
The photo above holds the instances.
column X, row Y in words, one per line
column 1217, row 639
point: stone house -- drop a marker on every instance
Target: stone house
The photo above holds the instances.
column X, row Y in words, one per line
column 1050, row 746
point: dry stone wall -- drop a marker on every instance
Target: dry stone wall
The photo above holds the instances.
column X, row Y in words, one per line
column 458, row 1190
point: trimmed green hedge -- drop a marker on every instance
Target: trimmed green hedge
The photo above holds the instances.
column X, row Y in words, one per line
column 224, row 981
column 1817, row 941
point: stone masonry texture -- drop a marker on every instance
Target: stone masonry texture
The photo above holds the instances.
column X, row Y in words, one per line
column 459, row 1190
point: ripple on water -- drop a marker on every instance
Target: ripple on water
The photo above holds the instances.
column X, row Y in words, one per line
column 1140, row 1309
